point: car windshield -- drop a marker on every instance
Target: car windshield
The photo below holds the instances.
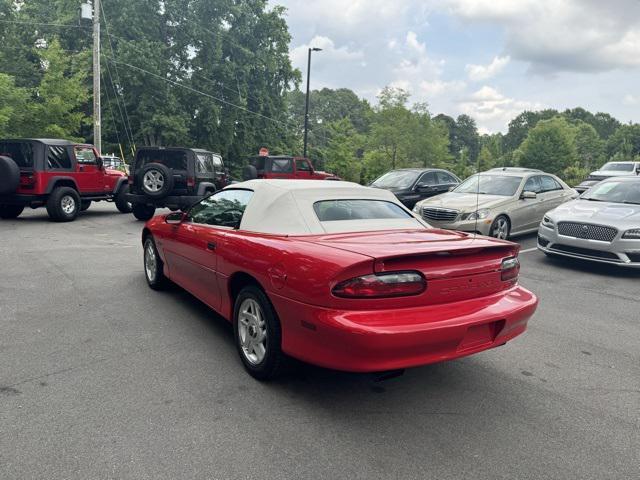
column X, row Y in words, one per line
column 503, row 185
column 396, row 179
column 617, row 167
column 615, row 192
column 335, row 210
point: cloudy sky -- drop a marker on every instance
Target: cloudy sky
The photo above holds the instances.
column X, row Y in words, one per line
column 490, row 59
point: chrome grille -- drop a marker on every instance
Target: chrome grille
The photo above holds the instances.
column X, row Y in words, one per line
column 439, row 214
column 587, row 231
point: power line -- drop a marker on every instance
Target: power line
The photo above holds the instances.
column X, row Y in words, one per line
column 63, row 25
column 239, row 107
column 127, row 123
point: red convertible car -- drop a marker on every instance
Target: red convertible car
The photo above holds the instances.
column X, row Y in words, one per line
column 338, row 275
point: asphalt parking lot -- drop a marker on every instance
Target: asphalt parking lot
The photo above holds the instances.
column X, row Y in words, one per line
column 100, row 377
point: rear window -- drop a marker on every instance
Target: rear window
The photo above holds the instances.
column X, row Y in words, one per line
column 20, row 152
column 173, row 159
column 336, row 210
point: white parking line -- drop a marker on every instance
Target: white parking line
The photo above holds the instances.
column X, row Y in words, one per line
column 529, row 250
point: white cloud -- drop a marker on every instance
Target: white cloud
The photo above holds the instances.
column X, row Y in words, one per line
column 478, row 73
column 562, row 35
column 631, row 99
column 493, row 109
column 329, row 52
column 436, row 88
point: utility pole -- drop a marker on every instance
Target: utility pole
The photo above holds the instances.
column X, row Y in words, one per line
column 306, row 108
column 97, row 117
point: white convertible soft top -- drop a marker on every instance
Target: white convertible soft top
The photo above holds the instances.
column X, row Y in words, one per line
column 285, row 207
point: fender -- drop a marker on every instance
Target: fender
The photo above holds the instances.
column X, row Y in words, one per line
column 202, row 187
column 119, row 183
column 53, row 180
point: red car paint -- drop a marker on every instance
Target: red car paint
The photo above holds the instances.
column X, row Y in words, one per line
column 291, row 168
column 466, row 307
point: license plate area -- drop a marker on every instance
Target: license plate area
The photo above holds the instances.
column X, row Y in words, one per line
column 479, row 335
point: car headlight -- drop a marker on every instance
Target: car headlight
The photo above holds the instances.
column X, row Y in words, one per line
column 416, row 208
column 547, row 222
column 632, row 234
column 478, row 215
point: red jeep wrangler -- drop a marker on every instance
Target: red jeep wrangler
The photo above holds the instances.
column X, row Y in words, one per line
column 298, row 168
column 61, row 175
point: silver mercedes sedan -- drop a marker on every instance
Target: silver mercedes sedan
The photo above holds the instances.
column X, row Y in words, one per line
column 603, row 225
column 501, row 202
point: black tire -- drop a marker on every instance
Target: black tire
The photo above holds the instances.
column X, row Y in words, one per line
column 500, row 228
column 156, row 180
column 84, row 205
column 271, row 363
column 249, row 172
column 9, row 212
column 153, row 273
column 9, row 176
column 122, row 204
column 143, row 212
column 63, row 205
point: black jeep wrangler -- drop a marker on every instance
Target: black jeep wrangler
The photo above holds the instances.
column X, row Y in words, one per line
column 175, row 178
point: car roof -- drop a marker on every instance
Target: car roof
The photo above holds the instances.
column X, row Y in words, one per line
column 285, row 207
column 418, row 169
column 623, row 178
column 46, row 141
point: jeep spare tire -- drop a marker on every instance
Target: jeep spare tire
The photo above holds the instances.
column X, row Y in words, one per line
column 156, row 180
column 249, row 172
column 9, row 176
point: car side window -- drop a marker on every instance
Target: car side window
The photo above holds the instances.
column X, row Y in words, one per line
column 58, row 157
column 445, row 178
column 224, row 209
column 428, row 178
column 303, row 166
column 549, row 184
column 281, row 165
column 533, row 185
column 85, row 155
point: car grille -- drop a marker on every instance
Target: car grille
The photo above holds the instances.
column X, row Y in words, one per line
column 586, row 252
column 587, row 231
column 439, row 214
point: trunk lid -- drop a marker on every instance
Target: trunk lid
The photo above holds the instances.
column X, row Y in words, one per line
column 457, row 265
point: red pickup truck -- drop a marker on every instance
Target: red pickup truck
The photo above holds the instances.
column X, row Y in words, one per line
column 297, row 168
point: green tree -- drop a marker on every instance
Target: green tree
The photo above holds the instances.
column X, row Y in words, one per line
column 12, row 102
column 56, row 109
column 549, row 146
column 589, row 146
column 520, row 126
column 341, row 153
column 625, row 142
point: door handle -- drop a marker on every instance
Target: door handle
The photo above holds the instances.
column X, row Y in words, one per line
column 211, row 246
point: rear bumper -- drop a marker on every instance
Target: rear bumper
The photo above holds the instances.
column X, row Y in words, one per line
column 382, row 340
column 23, row 200
column 177, row 201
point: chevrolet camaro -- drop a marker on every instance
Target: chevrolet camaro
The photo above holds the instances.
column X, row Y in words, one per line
column 338, row 275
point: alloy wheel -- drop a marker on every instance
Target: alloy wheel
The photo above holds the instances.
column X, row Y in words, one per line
column 153, row 180
column 68, row 204
column 252, row 331
column 501, row 229
column 150, row 263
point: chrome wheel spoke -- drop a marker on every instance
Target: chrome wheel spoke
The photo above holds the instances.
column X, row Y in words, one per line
column 252, row 331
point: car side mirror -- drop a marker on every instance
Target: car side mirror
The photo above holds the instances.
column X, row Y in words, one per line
column 452, row 188
column 529, row 195
column 422, row 187
column 174, row 218
column 100, row 163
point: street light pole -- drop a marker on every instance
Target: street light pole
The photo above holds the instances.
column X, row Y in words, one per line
column 306, row 108
column 97, row 120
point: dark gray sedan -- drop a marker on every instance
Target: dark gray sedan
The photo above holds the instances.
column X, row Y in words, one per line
column 602, row 225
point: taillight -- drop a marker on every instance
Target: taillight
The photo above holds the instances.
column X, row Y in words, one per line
column 191, row 182
column 510, row 268
column 393, row 284
column 27, row 180
column 130, row 180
